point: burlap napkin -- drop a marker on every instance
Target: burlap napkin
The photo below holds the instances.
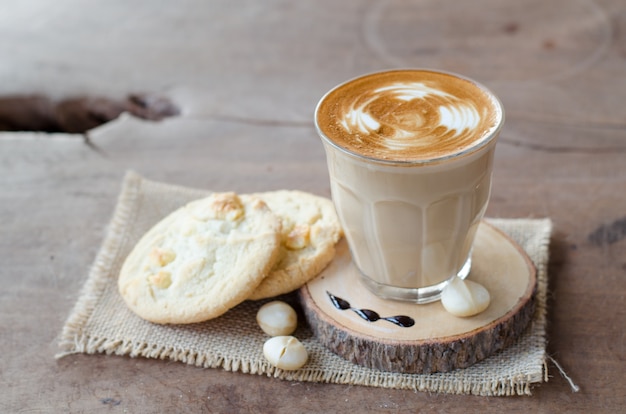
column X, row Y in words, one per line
column 101, row 323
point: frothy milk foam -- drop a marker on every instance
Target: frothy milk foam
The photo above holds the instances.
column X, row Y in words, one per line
column 410, row 155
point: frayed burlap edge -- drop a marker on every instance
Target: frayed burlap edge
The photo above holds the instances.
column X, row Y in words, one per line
column 539, row 321
column 75, row 340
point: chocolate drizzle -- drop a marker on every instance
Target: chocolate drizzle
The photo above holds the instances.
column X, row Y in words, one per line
column 370, row 315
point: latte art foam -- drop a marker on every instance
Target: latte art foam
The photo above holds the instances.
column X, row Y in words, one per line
column 408, row 115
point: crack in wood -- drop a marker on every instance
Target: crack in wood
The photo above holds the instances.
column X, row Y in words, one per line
column 77, row 115
column 562, row 149
column 260, row 121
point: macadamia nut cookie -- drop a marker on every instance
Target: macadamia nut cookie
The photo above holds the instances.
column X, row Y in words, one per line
column 202, row 259
column 310, row 230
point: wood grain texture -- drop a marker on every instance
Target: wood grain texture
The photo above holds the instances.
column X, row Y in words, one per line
column 420, row 357
column 247, row 77
column 423, row 339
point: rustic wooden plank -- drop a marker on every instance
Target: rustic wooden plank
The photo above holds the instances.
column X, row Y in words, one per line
column 247, row 77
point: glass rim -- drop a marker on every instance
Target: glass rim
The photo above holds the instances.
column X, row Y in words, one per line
column 484, row 142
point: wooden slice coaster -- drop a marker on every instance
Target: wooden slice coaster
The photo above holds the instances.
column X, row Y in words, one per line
column 404, row 337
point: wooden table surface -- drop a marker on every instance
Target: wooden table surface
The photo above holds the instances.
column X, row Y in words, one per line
column 246, row 76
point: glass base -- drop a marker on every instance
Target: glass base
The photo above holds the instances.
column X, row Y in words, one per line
column 421, row 295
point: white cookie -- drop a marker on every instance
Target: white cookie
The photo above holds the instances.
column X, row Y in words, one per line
column 201, row 260
column 310, row 230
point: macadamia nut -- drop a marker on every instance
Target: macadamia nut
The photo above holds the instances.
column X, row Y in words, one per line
column 465, row 298
column 277, row 318
column 285, row 352
column 298, row 238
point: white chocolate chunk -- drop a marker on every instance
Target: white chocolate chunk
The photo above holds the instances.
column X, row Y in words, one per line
column 285, row 352
column 224, row 206
column 298, row 238
column 277, row 318
column 465, row 298
column 161, row 279
column 161, row 257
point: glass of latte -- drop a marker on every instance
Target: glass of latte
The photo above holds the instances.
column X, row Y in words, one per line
column 410, row 156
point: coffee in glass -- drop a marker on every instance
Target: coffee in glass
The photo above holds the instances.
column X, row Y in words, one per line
column 410, row 155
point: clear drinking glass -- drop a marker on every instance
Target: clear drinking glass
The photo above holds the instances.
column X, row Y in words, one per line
column 410, row 223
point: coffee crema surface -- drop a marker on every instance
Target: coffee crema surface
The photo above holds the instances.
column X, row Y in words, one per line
column 408, row 116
